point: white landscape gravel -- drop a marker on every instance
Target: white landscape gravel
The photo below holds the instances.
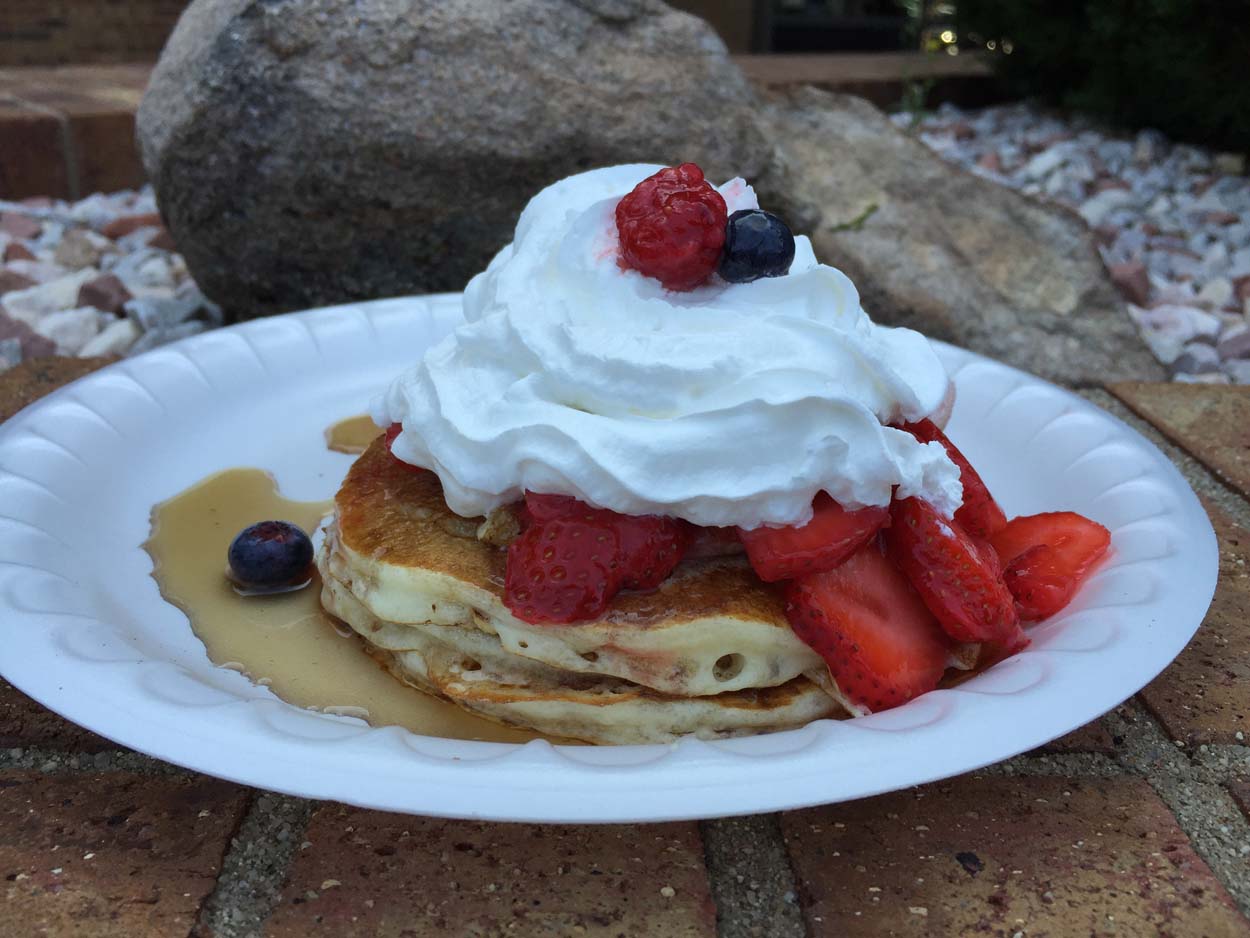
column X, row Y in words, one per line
column 95, row 277
column 1172, row 220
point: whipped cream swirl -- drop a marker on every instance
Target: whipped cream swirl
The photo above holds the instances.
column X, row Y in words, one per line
column 731, row 404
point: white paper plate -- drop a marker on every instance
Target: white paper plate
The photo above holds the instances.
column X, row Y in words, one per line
column 87, row 634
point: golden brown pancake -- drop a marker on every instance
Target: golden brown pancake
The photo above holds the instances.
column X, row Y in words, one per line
column 709, row 652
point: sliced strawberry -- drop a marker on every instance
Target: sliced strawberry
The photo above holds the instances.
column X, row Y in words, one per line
column 979, row 515
column 955, row 575
column 1045, row 557
column 562, row 571
column 882, row 645
column 651, row 546
column 713, row 542
column 648, row 546
column 829, row 538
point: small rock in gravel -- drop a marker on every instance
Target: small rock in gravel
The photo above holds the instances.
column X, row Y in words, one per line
column 10, row 353
column 146, row 270
column 1197, row 358
column 162, row 240
column 33, row 345
column 38, row 271
column 11, row 280
column 163, row 313
column 1238, row 370
column 1133, row 281
column 16, row 251
column 1167, row 329
column 20, row 226
column 120, row 227
column 116, row 339
column 1220, row 217
column 1216, row 292
column 157, row 337
column 990, row 162
column 1231, row 164
column 1099, row 207
column 104, row 292
column 1235, row 343
column 70, row 329
column 33, row 303
column 1149, row 147
column 80, row 248
column 1209, row 377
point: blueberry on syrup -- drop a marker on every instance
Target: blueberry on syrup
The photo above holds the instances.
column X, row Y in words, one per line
column 757, row 244
column 270, row 556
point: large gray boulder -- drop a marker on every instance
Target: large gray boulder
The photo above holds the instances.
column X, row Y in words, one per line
column 307, row 152
column 314, row 151
column 958, row 257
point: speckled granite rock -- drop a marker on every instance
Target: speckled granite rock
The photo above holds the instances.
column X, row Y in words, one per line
column 314, row 152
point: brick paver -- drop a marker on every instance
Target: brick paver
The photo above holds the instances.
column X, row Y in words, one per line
column 1006, row 856
column 69, row 131
column 387, row 875
column 1204, row 696
column 32, row 151
column 23, row 722
column 31, row 380
column 1210, row 421
column 111, row 854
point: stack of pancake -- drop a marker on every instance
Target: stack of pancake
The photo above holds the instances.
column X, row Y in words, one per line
column 708, row 653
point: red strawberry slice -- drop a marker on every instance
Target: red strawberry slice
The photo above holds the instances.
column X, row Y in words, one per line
column 1045, row 557
column 562, row 571
column 882, row 645
column 829, row 538
column 955, row 575
column 979, row 515
column 648, row 546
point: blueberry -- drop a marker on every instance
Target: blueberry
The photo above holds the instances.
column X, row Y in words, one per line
column 270, row 555
column 757, row 244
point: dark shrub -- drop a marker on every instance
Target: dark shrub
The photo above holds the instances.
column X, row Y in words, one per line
column 1179, row 65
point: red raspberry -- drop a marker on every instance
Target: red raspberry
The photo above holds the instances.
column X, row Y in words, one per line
column 672, row 227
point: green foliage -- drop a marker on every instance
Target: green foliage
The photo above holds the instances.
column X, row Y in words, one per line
column 1182, row 66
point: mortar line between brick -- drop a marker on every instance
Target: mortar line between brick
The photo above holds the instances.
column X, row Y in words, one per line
column 50, row 761
column 753, row 884
column 1203, row 808
column 254, row 868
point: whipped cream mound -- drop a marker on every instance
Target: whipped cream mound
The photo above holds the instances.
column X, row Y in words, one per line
column 731, row 404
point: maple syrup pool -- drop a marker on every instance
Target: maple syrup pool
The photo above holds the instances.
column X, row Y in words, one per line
column 286, row 641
